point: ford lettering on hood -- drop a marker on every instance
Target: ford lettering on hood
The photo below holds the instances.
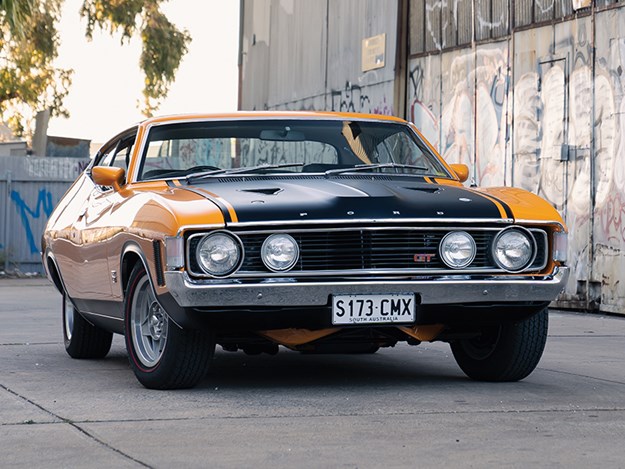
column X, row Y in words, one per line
column 347, row 197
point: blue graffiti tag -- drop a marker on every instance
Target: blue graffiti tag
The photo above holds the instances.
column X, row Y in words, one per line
column 44, row 201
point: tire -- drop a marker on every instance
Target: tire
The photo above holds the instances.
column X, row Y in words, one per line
column 504, row 352
column 83, row 339
column 161, row 354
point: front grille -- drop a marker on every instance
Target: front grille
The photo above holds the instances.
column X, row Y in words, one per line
column 363, row 250
column 371, row 250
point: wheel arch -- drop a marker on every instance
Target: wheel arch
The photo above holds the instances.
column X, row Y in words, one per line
column 54, row 273
column 132, row 255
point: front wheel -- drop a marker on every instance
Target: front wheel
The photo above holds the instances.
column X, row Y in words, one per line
column 161, row 354
column 504, row 352
column 83, row 339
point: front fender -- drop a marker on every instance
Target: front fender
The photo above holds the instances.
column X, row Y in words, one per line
column 525, row 206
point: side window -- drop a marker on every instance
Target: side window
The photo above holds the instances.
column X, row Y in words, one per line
column 121, row 155
column 117, row 151
column 106, row 156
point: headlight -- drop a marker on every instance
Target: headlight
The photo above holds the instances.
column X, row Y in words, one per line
column 457, row 249
column 219, row 254
column 514, row 249
column 279, row 252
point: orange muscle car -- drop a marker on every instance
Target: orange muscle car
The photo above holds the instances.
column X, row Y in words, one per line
column 321, row 232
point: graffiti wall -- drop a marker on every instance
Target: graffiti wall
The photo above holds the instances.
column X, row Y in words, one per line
column 30, row 187
column 460, row 100
column 374, row 99
column 533, row 111
column 608, row 215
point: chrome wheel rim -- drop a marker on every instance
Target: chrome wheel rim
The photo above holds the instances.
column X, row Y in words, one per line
column 68, row 317
column 148, row 324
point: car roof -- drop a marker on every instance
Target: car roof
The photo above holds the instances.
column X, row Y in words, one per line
column 262, row 115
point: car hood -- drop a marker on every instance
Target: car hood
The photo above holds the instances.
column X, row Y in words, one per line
column 317, row 198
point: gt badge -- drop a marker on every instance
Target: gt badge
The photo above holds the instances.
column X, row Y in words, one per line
column 423, row 257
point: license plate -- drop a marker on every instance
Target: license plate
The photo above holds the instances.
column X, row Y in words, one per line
column 373, row 309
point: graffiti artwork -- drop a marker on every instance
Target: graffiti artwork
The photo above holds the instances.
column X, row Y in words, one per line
column 547, row 117
column 43, row 208
column 30, row 188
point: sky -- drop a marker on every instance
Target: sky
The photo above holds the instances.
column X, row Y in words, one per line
column 107, row 82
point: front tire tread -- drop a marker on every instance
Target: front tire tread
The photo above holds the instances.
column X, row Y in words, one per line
column 87, row 340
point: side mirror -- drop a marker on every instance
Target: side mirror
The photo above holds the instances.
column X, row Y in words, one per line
column 461, row 170
column 108, row 176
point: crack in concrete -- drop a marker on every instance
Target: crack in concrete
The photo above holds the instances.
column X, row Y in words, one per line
column 589, row 335
column 390, row 414
column 29, row 343
column 72, row 424
column 582, row 376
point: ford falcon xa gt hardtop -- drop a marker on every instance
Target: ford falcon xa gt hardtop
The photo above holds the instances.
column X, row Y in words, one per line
column 321, row 232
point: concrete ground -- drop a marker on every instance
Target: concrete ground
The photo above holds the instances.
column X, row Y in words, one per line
column 402, row 407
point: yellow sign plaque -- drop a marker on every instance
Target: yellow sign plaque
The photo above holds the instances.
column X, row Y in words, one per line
column 373, row 51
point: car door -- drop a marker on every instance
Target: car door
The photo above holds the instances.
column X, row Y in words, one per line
column 94, row 226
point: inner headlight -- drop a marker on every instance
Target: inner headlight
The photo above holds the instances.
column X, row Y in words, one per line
column 279, row 252
column 514, row 249
column 219, row 254
column 457, row 249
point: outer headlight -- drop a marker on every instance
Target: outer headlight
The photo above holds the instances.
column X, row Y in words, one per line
column 279, row 252
column 457, row 249
column 219, row 254
column 514, row 249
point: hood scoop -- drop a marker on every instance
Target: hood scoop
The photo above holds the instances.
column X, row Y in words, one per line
column 263, row 191
column 427, row 190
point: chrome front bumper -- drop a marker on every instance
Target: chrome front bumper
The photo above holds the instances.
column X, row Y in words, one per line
column 287, row 292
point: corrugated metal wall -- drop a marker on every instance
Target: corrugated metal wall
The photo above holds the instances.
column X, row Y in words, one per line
column 529, row 93
column 307, row 55
column 30, row 188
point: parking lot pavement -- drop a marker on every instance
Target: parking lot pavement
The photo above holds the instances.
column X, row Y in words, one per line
column 402, row 407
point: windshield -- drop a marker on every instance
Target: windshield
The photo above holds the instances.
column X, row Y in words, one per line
column 209, row 148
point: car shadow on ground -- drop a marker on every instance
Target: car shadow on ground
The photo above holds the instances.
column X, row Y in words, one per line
column 392, row 367
column 290, row 369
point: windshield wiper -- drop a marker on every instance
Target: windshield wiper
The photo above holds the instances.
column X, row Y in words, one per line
column 369, row 167
column 244, row 170
column 254, row 169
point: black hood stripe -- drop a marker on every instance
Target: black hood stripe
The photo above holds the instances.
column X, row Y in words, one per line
column 226, row 209
column 506, row 208
column 503, row 207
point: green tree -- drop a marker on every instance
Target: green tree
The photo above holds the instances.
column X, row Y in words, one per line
column 29, row 81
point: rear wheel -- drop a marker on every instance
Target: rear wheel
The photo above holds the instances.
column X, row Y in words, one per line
column 161, row 354
column 83, row 339
column 504, row 352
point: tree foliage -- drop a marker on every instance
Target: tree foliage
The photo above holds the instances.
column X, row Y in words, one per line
column 29, row 81
column 29, row 41
column 164, row 45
